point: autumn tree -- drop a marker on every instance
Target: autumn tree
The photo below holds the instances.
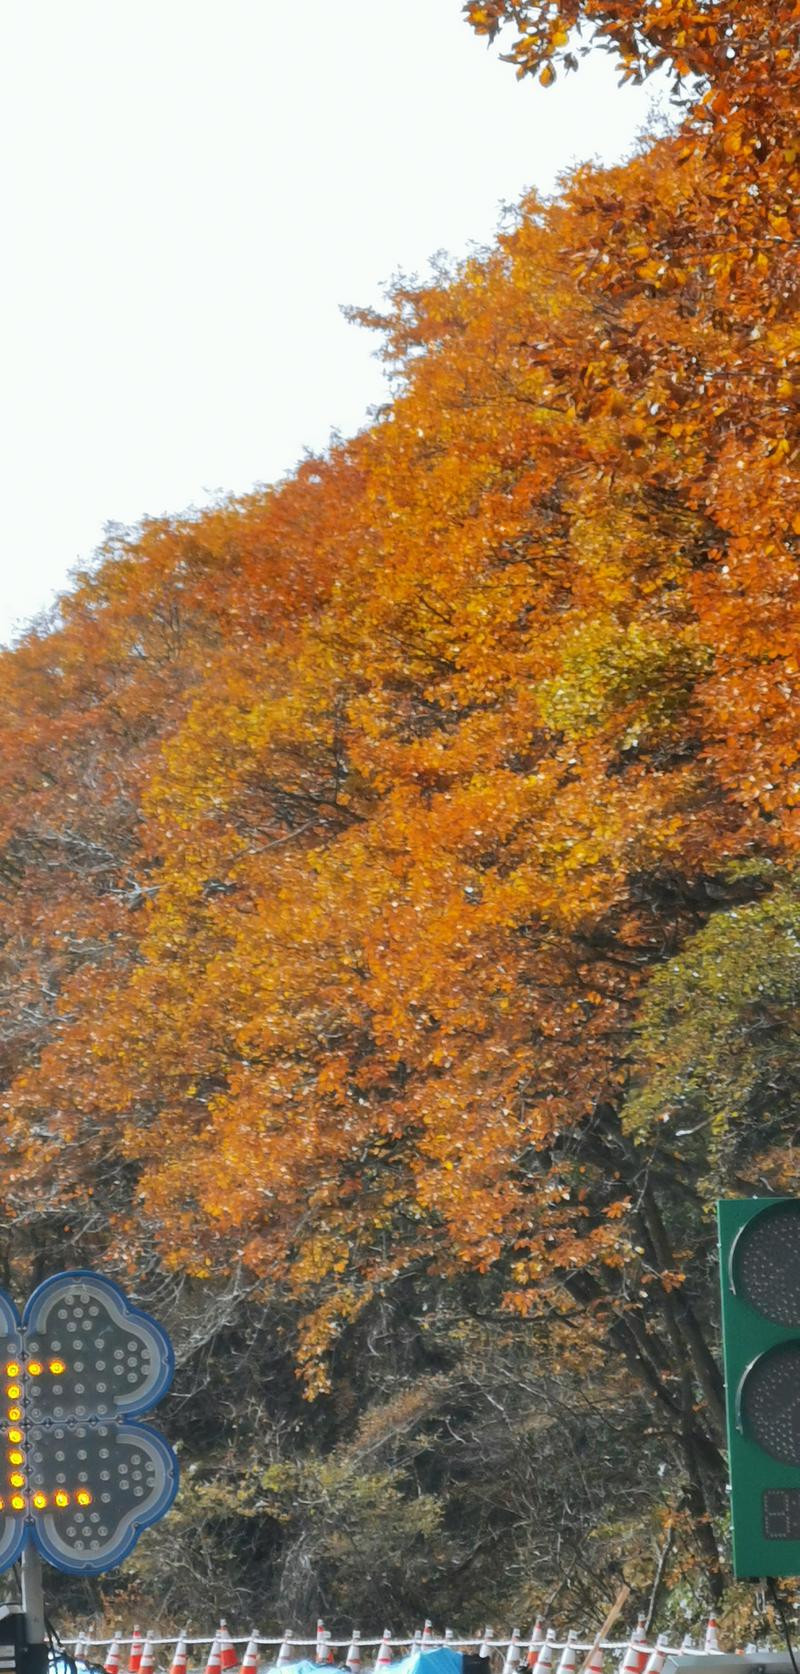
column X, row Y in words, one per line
column 400, row 870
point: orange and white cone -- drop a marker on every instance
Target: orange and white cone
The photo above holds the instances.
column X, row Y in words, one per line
column 322, row 1641
column 687, row 1644
column 286, row 1652
column 658, row 1655
column 353, row 1658
column 535, row 1642
column 712, row 1642
column 135, row 1657
column 80, row 1647
column 449, row 1636
column 597, row 1661
column 250, row 1658
column 544, row 1660
column 213, row 1665
column 180, row 1656
column 148, row 1662
column 426, row 1641
column 111, row 1663
column 512, row 1653
column 384, row 1657
column 485, row 1649
column 632, row 1662
column 568, row 1661
column 227, row 1649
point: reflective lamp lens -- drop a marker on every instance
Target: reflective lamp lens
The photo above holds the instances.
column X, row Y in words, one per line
column 12, row 1369
column 40, row 1501
column 61, row 1497
column 83, row 1496
column 15, row 1457
column 17, row 1502
column 34, row 1368
column 57, row 1367
column 15, row 1413
column 17, row 1480
column 15, row 1435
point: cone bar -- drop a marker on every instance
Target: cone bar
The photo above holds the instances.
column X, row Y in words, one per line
column 179, row 1656
column 512, row 1653
column 384, row 1656
column 353, row 1658
column 148, row 1662
column 250, row 1658
column 227, row 1650
column 285, row 1654
column 568, row 1661
column 112, row 1656
column 136, row 1651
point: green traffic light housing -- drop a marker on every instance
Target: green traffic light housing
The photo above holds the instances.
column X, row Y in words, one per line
column 759, row 1242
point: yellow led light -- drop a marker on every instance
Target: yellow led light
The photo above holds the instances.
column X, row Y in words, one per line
column 15, row 1413
column 15, row 1435
column 83, row 1496
column 12, row 1369
column 17, row 1502
column 57, row 1367
column 17, row 1479
column 35, row 1368
column 40, row 1501
column 13, row 1392
column 15, row 1457
column 61, row 1497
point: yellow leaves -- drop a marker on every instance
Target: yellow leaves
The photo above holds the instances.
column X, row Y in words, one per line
column 547, row 75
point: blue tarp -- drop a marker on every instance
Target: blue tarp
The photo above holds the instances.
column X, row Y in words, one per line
column 441, row 1661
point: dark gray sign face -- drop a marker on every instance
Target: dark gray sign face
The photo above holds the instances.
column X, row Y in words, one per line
column 767, row 1265
column 770, row 1403
column 82, row 1478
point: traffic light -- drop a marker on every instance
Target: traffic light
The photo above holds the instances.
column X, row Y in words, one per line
column 81, row 1476
column 759, row 1241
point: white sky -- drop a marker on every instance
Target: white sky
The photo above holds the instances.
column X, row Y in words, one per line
column 191, row 189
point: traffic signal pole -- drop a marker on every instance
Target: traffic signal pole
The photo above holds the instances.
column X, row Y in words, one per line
column 33, row 1610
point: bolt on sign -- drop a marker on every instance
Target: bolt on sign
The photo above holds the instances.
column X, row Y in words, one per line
column 82, row 1476
column 760, row 1276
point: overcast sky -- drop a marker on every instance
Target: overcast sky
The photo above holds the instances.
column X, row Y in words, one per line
column 192, row 188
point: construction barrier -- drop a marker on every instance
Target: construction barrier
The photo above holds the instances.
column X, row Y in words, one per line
column 221, row 1653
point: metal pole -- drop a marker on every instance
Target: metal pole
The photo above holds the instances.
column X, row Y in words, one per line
column 33, row 1607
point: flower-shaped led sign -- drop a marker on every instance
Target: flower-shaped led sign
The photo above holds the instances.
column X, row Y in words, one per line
column 81, row 1477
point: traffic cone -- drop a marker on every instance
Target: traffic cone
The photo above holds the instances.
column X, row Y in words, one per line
column 148, row 1661
column 80, row 1644
column 712, row 1642
column 687, row 1644
column 353, row 1658
column 597, row 1661
column 426, row 1642
column 286, row 1652
column 486, row 1643
column 250, row 1658
column 227, row 1649
column 512, row 1653
column 180, row 1656
column 544, row 1661
column 214, row 1657
column 135, row 1657
column 111, row 1663
column 384, row 1657
column 568, row 1661
column 632, row 1661
column 449, row 1636
column 535, row 1643
column 322, row 1647
column 658, row 1655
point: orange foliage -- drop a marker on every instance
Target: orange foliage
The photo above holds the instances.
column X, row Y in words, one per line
column 348, row 821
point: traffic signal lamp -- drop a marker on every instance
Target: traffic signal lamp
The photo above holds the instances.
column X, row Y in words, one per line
column 759, row 1241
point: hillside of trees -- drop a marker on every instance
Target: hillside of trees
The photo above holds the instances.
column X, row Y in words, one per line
column 401, row 912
